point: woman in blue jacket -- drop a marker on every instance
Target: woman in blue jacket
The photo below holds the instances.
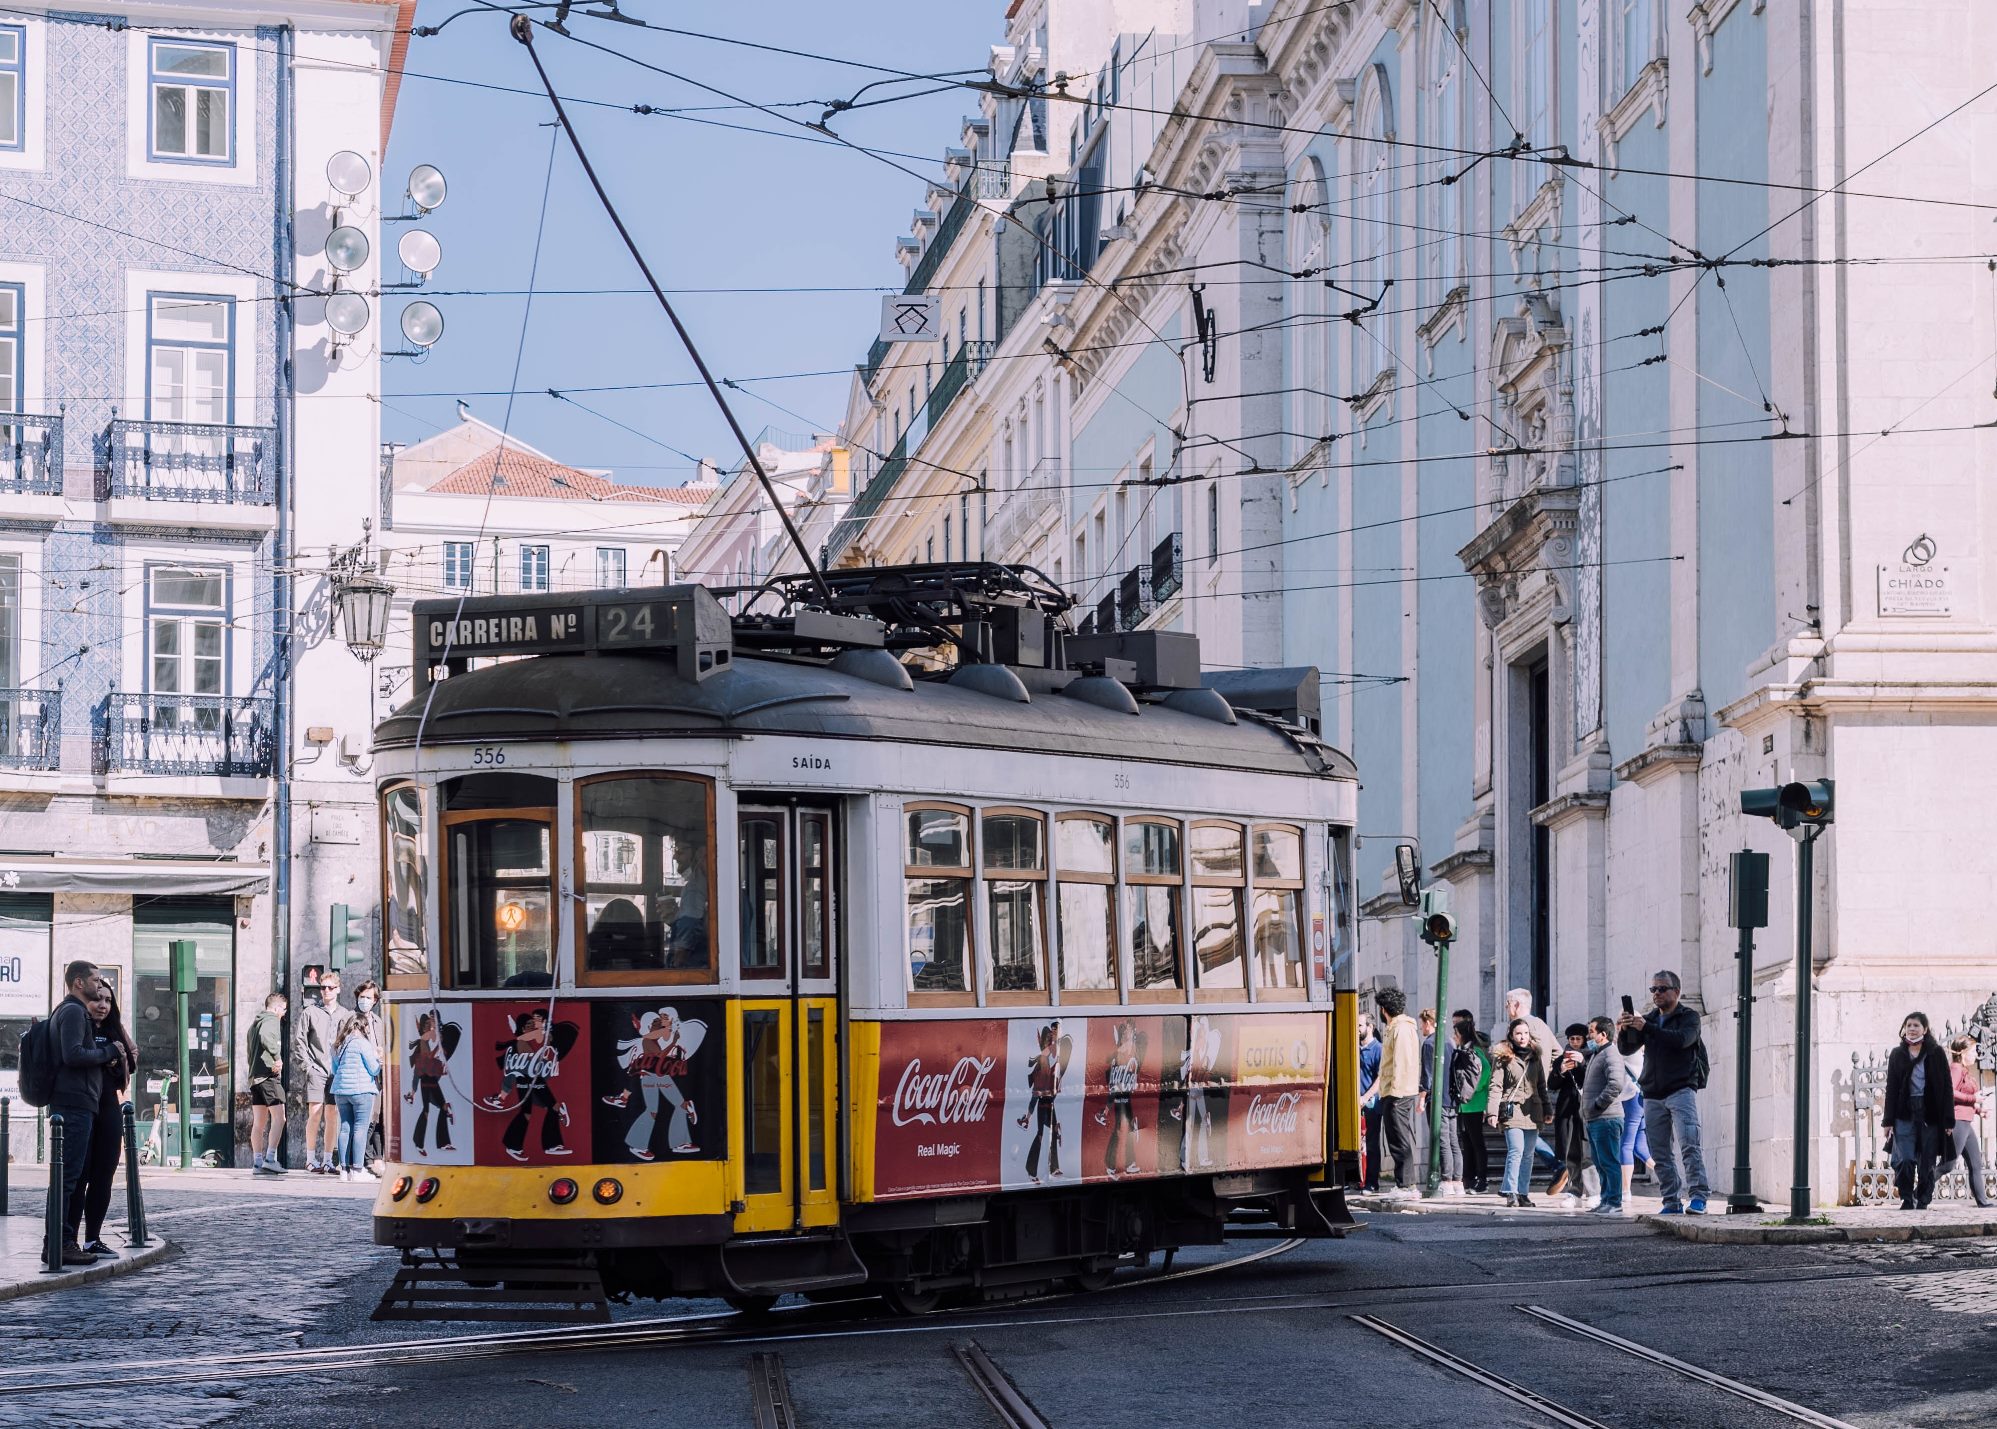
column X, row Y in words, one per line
column 355, row 1083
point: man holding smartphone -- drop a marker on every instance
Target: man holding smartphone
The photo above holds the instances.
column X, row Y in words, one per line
column 1674, row 1071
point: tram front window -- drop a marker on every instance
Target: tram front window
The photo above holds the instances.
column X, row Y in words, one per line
column 501, row 934
column 645, row 850
column 406, row 865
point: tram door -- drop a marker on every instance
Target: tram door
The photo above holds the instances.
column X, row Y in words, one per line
column 787, row 1070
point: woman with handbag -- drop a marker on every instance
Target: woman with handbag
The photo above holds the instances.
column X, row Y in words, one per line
column 1967, row 1079
column 1919, row 1111
column 1518, row 1086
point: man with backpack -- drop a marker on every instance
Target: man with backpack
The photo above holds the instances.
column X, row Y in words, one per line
column 1674, row 1072
column 265, row 1048
column 62, row 1068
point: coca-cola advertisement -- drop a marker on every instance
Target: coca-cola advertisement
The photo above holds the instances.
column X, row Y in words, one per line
column 659, row 1079
column 1275, row 1100
column 1125, row 1066
column 940, row 1107
column 530, row 1071
column 1192, row 1132
column 1046, row 1061
column 431, row 1076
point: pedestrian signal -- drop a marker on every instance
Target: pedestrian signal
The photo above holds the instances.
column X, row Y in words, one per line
column 1792, row 806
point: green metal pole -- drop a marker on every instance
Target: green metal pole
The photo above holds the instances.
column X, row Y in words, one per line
column 1799, row 1191
column 1436, row 1067
column 1742, row 1200
column 182, row 952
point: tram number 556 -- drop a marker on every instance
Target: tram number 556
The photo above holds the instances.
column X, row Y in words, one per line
column 488, row 756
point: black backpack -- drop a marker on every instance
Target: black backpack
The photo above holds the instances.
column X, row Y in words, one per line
column 38, row 1063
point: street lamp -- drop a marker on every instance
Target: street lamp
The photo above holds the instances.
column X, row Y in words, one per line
column 364, row 599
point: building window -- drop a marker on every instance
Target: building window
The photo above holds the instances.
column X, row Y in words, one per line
column 937, row 878
column 193, row 98
column 1310, row 237
column 1085, row 863
column 186, row 630
column 1445, row 97
column 610, row 567
column 946, row 538
column 190, row 352
column 458, row 565
column 1151, row 871
column 1213, row 522
column 10, row 627
column 1015, row 859
column 646, row 850
column 13, row 87
column 12, row 379
column 1535, row 100
column 1279, row 892
column 533, row 568
column 1220, row 873
column 1633, row 40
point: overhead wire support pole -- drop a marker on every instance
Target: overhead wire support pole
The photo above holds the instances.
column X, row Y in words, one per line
column 523, row 31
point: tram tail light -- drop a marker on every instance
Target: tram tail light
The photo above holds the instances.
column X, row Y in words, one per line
column 427, row 1188
column 562, row 1192
column 608, row 1192
column 399, row 1188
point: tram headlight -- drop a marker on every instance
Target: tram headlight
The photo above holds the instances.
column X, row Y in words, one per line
column 427, row 1189
column 607, row 1192
column 400, row 1188
column 562, row 1192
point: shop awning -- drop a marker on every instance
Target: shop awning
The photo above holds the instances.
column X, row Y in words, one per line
column 131, row 875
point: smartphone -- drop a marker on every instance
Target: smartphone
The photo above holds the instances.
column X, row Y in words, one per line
column 1629, row 1008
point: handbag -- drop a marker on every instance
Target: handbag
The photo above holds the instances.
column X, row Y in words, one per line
column 1506, row 1111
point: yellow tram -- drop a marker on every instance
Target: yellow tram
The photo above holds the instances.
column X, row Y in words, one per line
column 901, row 940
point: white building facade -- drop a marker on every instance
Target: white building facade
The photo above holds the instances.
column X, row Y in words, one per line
column 1596, row 393
column 178, row 423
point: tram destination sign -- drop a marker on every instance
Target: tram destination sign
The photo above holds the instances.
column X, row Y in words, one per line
column 683, row 618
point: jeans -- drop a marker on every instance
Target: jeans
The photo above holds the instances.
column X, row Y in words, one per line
column 1452, row 1151
column 1636, row 1146
column 1398, row 1115
column 77, row 1127
column 356, row 1116
column 1674, row 1126
column 1605, row 1139
column 1969, row 1147
column 1519, row 1143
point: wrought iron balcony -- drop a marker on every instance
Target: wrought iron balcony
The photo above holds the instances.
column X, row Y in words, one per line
column 30, row 454
column 218, row 736
column 1026, row 506
column 1167, row 568
column 1134, row 597
column 1106, row 614
column 29, row 729
column 189, row 461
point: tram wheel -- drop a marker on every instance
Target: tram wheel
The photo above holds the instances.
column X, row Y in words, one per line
column 1088, row 1281
column 752, row 1305
column 912, row 1299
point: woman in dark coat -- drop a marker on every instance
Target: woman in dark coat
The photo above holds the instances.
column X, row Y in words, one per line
column 1919, row 1113
column 108, row 1130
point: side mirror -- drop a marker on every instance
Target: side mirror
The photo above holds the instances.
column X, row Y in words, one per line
column 1407, row 866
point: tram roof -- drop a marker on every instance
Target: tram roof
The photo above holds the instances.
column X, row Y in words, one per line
column 603, row 697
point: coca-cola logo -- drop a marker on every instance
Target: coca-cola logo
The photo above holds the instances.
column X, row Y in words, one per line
column 950, row 1098
column 1123, row 1078
column 1275, row 1115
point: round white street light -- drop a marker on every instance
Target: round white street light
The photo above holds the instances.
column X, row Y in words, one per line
column 422, row 324
column 348, row 173
column 346, row 313
column 346, row 248
column 420, row 252
column 426, row 186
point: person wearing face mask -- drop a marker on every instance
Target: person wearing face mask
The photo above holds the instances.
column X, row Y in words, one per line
column 1518, row 1090
column 367, row 999
column 1674, row 1071
column 1919, row 1111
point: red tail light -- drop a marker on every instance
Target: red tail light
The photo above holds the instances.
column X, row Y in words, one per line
column 427, row 1188
column 563, row 1191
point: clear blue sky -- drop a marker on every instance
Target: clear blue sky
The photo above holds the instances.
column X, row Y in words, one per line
column 710, row 207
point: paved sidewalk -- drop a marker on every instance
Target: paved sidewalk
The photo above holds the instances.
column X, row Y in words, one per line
column 21, row 1270
column 32, row 1177
column 1543, row 1206
column 1953, row 1220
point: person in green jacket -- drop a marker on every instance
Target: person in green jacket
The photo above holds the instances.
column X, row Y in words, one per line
column 265, row 1046
column 1470, row 1083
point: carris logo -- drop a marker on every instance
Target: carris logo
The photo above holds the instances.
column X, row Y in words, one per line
column 1274, row 1115
column 956, row 1096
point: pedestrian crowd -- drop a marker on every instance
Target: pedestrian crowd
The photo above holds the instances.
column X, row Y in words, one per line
column 339, row 1056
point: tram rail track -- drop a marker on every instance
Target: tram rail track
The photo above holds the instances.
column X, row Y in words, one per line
column 1554, row 1411
column 1007, row 1400
column 770, row 1401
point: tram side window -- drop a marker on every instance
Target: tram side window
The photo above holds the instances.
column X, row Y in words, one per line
column 1085, row 865
column 1015, row 858
column 937, row 876
column 1220, row 873
column 1152, row 873
column 645, row 844
column 1279, row 893
column 499, row 880
column 405, row 885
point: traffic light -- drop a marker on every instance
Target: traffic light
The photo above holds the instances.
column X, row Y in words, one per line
column 336, row 944
column 1792, row 806
column 1438, row 928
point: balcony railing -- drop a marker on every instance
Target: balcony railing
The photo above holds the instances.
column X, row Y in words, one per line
column 946, row 234
column 869, row 501
column 29, row 729
column 30, row 454
column 1167, row 568
column 219, row 736
column 958, row 372
column 1134, row 597
column 1026, row 506
column 1106, row 614
column 189, row 461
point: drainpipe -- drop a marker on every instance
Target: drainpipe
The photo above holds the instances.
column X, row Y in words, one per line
column 281, row 591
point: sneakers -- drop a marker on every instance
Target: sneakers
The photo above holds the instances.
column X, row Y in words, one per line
column 100, row 1250
column 1696, row 1207
column 1671, row 1208
column 1523, row 1201
column 366, row 1173
column 74, row 1254
column 1569, row 1201
column 265, row 1168
column 1606, row 1208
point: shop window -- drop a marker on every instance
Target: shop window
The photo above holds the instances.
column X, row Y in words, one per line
column 644, row 850
column 1220, row 875
column 26, row 987
column 1153, row 875
column 152, row 1015
column 1085, row 864
column 1015, row 860
column 405, row 888
column 937, row 877
column 1279, row 895
column 499, row 880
